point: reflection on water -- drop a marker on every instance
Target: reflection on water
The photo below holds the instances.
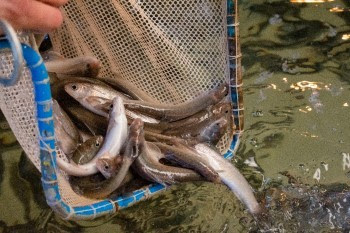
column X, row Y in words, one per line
column 310, row 1
column 346, row 36
column 294, row 151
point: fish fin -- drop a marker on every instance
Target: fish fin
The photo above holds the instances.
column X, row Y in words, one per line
column 90, row 129
column 105, row 103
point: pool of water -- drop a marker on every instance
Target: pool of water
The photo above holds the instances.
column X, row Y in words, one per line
column 294, row 150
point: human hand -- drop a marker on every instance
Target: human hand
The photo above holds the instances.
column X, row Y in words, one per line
column 36, row 15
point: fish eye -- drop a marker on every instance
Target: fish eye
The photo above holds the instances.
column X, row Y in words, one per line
column 226, row 111
column 111, row 105
column 106, row 167
column 97, row 144
column 74, row 87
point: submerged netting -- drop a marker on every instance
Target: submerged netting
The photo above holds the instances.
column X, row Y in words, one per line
column 173, row 50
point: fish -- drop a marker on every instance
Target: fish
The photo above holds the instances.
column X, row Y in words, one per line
column 112, row 143
column 149, row 167
column 210, row 134
column 230, row 176
column 196, row 120
column 209, row 130
column 98, row 99
column 87, row 150
column 117, row 132
column 169, row 112
column 58, row 83
column 66, row 134
column 189, row 159
column 85, row 66
column 91, row 94
column 132, row 151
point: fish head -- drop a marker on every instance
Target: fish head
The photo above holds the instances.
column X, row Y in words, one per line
column 220, row 126
column 78, row 90
column 98, row 141
column 117, row 107
column 214, row 131
column 222, row 108
column 93, row 66
column 108, row 167
column 93, row 144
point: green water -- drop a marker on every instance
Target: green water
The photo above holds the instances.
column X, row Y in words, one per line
column 297, row 104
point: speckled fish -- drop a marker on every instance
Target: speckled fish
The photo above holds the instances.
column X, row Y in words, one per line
column 67, row 135
column 87, row 150
column 230, row 176
column 148, row 166
column 169, row 112
column 131, row 152
column 114, row 139
column 79, row 66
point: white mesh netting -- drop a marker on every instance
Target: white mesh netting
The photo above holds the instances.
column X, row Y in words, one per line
column 173, row 50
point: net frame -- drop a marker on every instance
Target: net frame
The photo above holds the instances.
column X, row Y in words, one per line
column 89, row 209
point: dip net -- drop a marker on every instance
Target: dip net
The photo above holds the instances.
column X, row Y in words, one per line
column 173, row 50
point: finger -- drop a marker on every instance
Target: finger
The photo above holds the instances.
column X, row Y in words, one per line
column 32, row 15
column 56, row 3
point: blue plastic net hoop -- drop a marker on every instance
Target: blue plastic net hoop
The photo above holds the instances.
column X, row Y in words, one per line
column 43, row 102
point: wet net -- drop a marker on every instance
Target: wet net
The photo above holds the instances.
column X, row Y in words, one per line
column 173, row 50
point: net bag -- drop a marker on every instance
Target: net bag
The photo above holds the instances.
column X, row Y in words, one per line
column 173, row 50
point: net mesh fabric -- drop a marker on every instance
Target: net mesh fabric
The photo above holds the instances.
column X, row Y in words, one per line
column 173, row 50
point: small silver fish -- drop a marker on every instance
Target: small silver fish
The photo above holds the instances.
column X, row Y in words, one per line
column 98, row 99
column 230, row 176
column 91, row 95
column 114, row 139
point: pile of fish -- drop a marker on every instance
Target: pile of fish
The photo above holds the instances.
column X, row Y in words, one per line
column 111, row 131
